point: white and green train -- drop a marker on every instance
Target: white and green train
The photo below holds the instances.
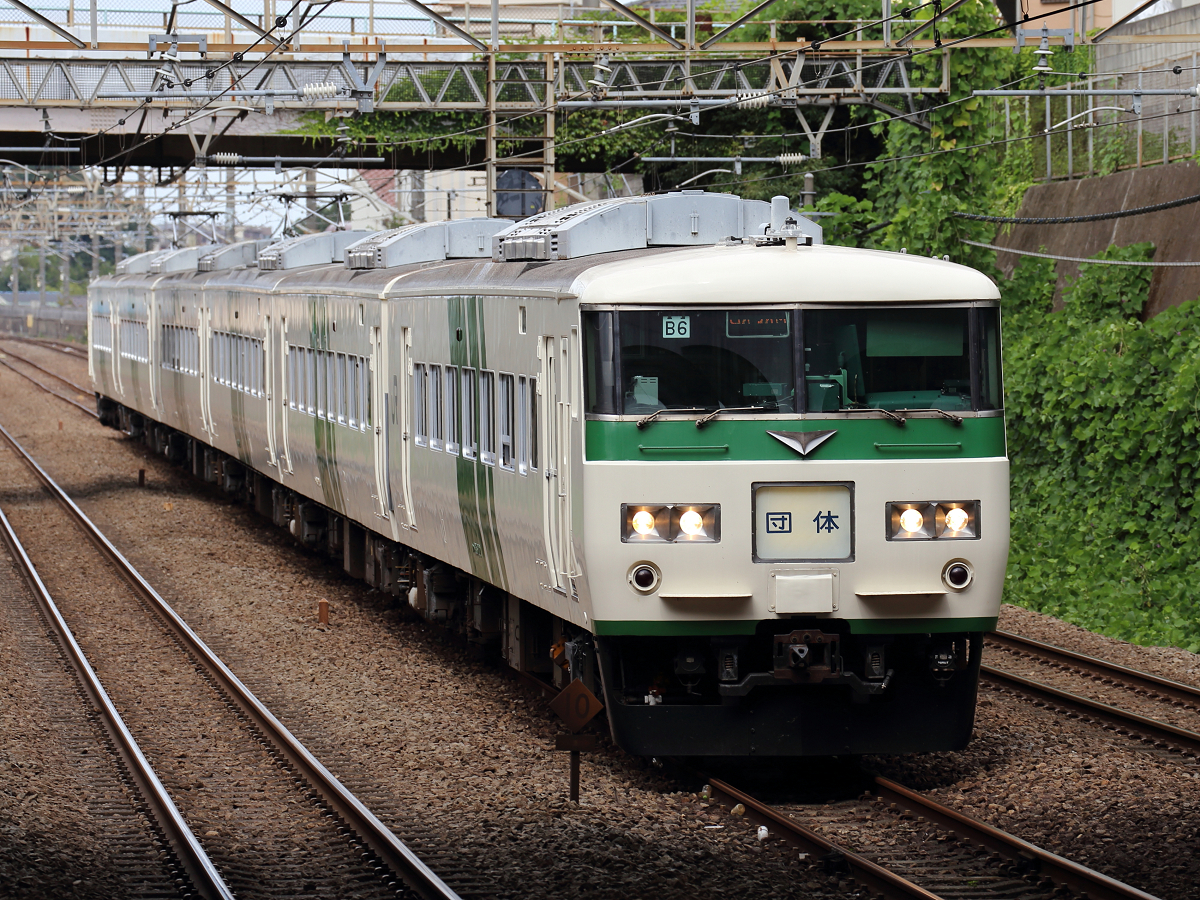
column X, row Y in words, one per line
column 753, row 490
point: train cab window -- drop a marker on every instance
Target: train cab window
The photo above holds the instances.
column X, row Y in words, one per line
column 450, row 410
column 988, row 331
column 893, row 359
column 506, row 419
column 420, row 411
column 640, row 361
column 470, row 442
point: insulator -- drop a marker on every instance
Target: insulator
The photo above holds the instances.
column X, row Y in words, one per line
column 791, row 159
column 756, row 100
column 225, row 159
column 321, row 90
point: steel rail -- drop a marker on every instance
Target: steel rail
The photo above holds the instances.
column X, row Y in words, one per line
column 1175, row 690
column 87, row 409
column 203, row 874
column 1121, row 719
column 29, row 362
column 395, row 854
column 53, row 343
column 1092, row 884
column 869, row 874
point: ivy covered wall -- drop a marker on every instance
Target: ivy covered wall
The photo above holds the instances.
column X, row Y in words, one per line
column 1103, row 416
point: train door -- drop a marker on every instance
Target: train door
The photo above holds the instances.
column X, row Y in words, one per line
column 380, row 422
column 401, row 417
column 288, row 383
column 270, row 391
column 154, row 352
column 118, row 381
column 554, row 401
column 206, row 373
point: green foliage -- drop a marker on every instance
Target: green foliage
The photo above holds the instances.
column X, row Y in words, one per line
column 850, row 221
column 1104, row 439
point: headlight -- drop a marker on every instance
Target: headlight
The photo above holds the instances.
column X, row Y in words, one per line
column 927, row 520
column 911, row 520
column 671, row 523
column 643, row 522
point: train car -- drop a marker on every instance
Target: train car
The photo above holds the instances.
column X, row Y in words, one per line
column 752, row 490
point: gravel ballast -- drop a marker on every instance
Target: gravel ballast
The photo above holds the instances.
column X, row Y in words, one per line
column 458, row 756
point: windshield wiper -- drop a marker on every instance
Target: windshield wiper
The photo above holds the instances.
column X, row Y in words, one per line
column 957, row 420
column 899, row 420
column 705, row 419
column 646, row 420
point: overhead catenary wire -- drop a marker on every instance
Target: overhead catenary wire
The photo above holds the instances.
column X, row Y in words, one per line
column 1084, row 259
column 1093, row 217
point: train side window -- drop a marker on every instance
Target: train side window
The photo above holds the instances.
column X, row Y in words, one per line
column 301, row 370
column 360, row 388
column 339, row 372
column 523, row 425
column 470, row 441
column 450, row 410
column 419, row 400
column 507, row 421
column 331, row 396
column 289, row 376
column 366, row 400
column 533, row 424
column 435, row 407
column 310, row 381
column 352, row 391
column 487, row 418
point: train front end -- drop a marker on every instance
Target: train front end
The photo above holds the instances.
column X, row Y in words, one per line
column 795, row 498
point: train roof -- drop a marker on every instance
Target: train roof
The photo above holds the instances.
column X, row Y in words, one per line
column 661, row 249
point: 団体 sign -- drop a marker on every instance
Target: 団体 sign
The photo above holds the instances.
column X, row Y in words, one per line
column 803, row 522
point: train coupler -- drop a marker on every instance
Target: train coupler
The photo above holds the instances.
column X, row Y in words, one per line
column 812, row 656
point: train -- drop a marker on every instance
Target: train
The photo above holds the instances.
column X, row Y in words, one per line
column 748, row 488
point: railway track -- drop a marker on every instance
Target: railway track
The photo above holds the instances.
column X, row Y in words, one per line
column 187, row 852
column 902, row 845
column 267, row 815
column 132, row 846
column 76, row 350
column 921, row 849
column 7, row 354
column 1165, row 713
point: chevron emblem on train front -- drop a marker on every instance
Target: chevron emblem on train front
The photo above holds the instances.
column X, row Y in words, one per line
column 803, row 442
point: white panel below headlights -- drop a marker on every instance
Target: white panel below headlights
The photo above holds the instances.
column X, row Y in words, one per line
column 796, row 594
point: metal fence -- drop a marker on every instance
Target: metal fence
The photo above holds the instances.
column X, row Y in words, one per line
column 518, row 21
column 1078, row 136
column 62, row 323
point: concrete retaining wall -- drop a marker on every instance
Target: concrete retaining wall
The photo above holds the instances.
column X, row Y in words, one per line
column 1174, row 232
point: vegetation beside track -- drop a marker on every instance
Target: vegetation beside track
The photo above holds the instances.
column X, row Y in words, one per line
column 1104, row 435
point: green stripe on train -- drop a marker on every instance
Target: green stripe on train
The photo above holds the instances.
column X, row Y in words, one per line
column 675, row 440
column 722, row 628
column 324, row 434
column 476, row 498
